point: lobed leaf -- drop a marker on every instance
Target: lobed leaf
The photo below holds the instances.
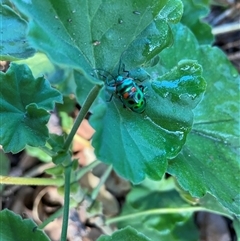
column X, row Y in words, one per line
column 14, row 44
column 140, row 144
column 85, row 30
column 12, row 226
column 209, row 161
column 194, row 11
column 24, row 105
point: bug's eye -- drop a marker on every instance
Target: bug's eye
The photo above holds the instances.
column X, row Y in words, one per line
column 119, row 78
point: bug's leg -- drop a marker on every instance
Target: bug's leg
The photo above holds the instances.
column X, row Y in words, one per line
column 142, row 80
column 110, row 98
column 125, row 71
column 143, row 89
column 104, row 74
column 119, row 66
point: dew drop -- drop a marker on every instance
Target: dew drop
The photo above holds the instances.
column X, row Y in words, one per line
column 96, row 42
column 165, row 94
column 136, row 12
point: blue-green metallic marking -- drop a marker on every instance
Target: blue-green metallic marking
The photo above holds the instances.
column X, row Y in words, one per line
column 131, row 95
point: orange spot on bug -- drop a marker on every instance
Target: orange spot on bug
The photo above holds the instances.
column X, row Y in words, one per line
column 125, row 95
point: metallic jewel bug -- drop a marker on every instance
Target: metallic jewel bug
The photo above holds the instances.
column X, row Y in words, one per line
column 130, row 93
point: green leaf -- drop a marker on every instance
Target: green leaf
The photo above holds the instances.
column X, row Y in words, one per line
column 82, row 87
column 126, row 234
column 194, row 11
column 36, row 152
column 59, row 76
column 13, row 227
column 140, row 144
column 14, row 44
column 24, row 105
column 39, row 64
column 211, row 203
column 169, row 226
column 85, row 31
column 209, row 158
column 67, row 107
column 55, row 171
column 60, row 155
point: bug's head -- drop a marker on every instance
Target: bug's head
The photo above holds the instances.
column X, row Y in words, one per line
column 119, row 79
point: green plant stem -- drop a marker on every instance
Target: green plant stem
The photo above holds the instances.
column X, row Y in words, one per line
column 80, row 173
column 162, row 211
column 44, row 181
column 31, row 181
column 82, row 113
column 57, row 214
column 67, row 175
column 102, row 181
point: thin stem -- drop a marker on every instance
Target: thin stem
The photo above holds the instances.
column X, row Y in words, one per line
column 82, row 113
column 31, row 173
column 55, row 215
column 85, row 169
column 22, row 181
column 102, row 181
column 67, row 175
column 162, row 211
column 31, row 181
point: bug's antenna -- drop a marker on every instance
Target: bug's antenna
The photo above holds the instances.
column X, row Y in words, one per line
column 120, row 61
column 105, row 72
